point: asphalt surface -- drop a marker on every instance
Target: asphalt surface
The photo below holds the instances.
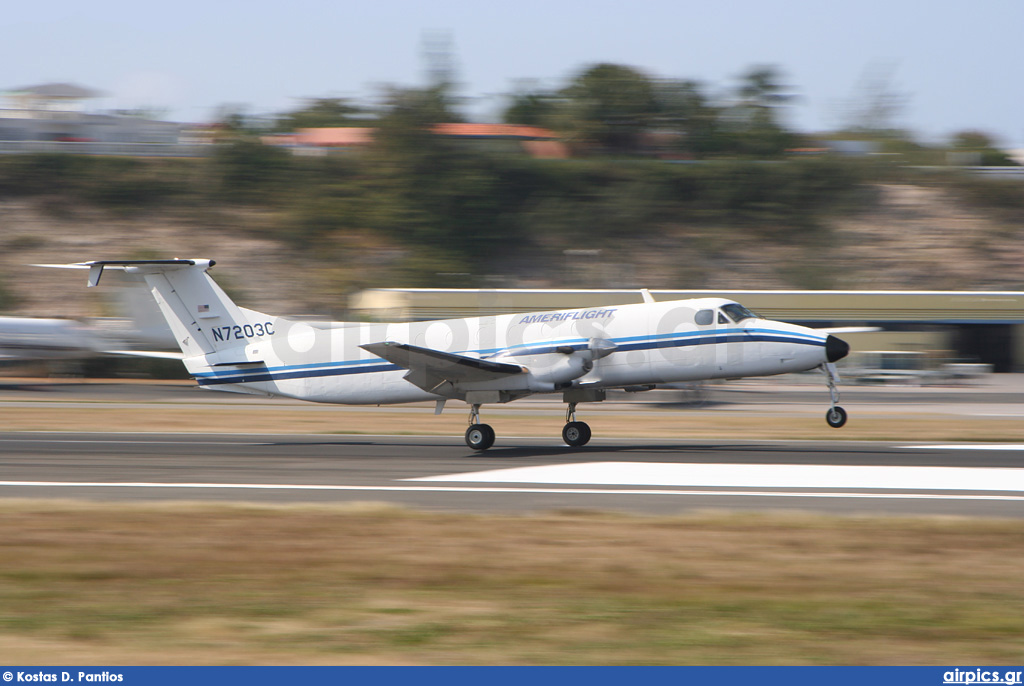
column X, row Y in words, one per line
column 631, row 475
column 645, row 476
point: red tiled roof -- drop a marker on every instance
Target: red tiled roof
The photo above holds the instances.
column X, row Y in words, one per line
column 538, row 142
column 494, row 131
column 338, row 136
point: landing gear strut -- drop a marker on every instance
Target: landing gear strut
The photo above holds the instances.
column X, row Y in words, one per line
column 836, row 416
column 574, row 433
column 478, row 436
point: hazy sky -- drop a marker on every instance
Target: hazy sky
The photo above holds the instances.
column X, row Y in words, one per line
column 959, row 64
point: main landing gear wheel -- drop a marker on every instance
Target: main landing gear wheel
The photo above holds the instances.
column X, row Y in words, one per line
column 576, row 434
column 836, row 417
column 479, row 436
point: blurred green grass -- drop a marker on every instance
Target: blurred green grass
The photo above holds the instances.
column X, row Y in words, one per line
column 238, row 584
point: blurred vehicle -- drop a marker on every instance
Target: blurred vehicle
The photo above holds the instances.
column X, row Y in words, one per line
column 46, row 340
column 909, row 367
column 33, row 339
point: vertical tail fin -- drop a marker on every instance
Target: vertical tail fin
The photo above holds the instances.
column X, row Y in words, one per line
column 202, row 317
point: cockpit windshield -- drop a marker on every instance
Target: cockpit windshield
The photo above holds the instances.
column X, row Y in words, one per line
column 738, row 313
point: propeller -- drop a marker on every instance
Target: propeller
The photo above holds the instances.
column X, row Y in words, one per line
column 597, row 348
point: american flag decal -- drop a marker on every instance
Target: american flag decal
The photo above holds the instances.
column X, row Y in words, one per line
column 204, row 308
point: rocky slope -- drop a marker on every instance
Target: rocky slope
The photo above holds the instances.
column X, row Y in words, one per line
column 910, row 237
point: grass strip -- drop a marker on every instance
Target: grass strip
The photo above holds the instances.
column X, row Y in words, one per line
column 179, row 583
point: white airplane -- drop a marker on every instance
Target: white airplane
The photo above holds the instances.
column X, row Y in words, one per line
column 24, row 339
column 480, row 360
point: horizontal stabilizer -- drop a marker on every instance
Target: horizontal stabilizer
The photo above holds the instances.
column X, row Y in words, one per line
column 117, row 263
column 96, row 267
column 430, row 367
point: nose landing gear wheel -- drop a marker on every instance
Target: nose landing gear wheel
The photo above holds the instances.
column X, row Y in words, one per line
column 479, row 436
column 836, row 417
column 576, row 434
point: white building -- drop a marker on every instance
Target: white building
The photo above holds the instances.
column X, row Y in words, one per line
column 58, row 112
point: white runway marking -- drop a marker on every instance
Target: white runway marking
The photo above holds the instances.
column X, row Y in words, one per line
column 969, row 446
column 753, row 476
column 512, row 490
column 159, row 444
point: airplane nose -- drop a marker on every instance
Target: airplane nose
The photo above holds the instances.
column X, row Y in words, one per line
column 836, row 348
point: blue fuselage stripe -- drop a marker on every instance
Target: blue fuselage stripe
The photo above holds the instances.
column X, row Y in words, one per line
column 624, row 345
column 714, row 340
column 285, row 373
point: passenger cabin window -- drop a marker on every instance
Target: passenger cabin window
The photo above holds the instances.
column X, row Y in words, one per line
column 738, row 313
column 704, row 317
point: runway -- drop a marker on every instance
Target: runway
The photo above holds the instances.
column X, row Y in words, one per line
column 520, row 475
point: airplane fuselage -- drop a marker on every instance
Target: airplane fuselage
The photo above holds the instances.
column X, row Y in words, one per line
column 644, row 344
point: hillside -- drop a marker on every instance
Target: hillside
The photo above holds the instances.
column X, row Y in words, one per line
column 903, row 237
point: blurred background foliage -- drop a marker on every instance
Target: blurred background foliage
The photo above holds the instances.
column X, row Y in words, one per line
column 646, row 155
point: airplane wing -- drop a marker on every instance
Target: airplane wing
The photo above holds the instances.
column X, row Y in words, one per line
column 429, row 368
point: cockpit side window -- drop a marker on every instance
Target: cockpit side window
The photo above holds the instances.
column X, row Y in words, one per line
column 704, row 317
column 738, row 313
column 722, row 319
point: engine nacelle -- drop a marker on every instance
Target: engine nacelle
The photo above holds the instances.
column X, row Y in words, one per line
column 553, row 367
column 559, row 372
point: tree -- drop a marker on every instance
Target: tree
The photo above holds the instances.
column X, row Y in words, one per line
column 984, row 146
column 684, row 110
column 233, row 118
column 405, row 122
column 321, row 113
column 759, row 87
column 610, row 106
column 754, row 119
column 249, row 170
column 531, row 106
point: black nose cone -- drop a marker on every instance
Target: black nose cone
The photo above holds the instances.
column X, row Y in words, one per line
column 836, row 348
